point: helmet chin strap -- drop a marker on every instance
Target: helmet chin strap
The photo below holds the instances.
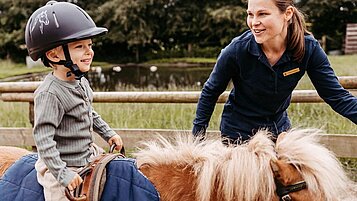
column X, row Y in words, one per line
column 69, row 64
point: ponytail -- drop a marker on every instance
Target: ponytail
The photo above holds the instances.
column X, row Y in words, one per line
column 296, row 32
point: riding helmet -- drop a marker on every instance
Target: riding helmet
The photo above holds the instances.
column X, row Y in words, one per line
column 55, row 24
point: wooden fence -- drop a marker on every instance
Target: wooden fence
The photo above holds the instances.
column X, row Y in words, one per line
column 341, row 144
column 351, row 39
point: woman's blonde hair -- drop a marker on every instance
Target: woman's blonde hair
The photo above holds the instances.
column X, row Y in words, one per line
column 296, row 30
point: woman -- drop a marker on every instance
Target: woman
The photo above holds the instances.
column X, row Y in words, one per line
column 265, row 64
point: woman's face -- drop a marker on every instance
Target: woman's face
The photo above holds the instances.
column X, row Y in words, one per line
column 267, row 22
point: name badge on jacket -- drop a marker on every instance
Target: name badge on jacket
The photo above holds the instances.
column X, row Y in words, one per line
column 292, row 71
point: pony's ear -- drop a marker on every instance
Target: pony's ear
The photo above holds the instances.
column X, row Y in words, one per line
column 281, row 136
column 144, row 167
column 275, row 167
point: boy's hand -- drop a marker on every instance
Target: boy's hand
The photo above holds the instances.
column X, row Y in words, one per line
column 117, row 140
column 75, row 182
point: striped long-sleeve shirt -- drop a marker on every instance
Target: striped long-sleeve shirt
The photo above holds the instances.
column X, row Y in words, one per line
column 64, row 121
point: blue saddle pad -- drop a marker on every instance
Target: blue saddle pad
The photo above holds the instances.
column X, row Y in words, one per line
column 19, row 183
column 123, row 182
column 126, row 182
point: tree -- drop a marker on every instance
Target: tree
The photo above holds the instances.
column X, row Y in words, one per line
column 126, row 23
column 224, row 23
column 178, row 25
column 13, row 18
column 329, row 17
column 140, row 27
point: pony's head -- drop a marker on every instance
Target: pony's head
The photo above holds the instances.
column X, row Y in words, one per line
column 289, row 181
column 302, row 158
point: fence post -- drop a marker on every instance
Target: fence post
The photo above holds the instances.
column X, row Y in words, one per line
column 323, row 43
column 32, row 121
column 31, row 113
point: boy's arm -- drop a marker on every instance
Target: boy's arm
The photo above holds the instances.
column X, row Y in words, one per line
column 101, row 127
column 48, row 115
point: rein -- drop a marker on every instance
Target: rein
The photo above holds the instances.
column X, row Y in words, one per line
column 283, row 191
column 94, row 177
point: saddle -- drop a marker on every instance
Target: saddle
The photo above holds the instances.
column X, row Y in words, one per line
column 94, row 178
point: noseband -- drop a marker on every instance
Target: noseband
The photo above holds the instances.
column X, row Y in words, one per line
column 283, row 191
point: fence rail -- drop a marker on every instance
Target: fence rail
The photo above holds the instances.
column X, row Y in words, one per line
column 298, row 96
column 348, row 82
column 23, row 92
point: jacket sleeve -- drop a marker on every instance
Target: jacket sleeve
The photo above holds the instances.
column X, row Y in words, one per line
column 327, row 85
column 48, row 115
column 213, row 88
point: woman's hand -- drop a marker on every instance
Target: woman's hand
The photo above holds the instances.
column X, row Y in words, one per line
column 117, row 140
column 75, row 182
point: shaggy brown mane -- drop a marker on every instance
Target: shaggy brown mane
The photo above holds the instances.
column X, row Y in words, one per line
column 222, row 173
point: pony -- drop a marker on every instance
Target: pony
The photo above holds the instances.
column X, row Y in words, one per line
column 8, row 155
column 297, row 167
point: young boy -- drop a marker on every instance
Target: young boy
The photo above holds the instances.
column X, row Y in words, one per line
column 60, row 34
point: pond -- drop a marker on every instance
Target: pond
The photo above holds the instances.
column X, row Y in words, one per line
column 153, row 78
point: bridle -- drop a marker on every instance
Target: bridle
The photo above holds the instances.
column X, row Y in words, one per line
column 283, row 191
column 94, row 177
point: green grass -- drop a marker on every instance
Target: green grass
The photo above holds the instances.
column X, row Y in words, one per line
column 9, row 69
column 320, row 115
column 180, row 116
column 14, row 114
column 344, row 65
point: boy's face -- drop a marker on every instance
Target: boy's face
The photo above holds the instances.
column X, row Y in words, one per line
column 81, row 53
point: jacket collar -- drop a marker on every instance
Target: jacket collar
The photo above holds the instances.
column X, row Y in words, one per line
column 255, row 49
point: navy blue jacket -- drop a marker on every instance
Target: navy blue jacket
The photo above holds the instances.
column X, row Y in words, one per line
column 262, row 93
